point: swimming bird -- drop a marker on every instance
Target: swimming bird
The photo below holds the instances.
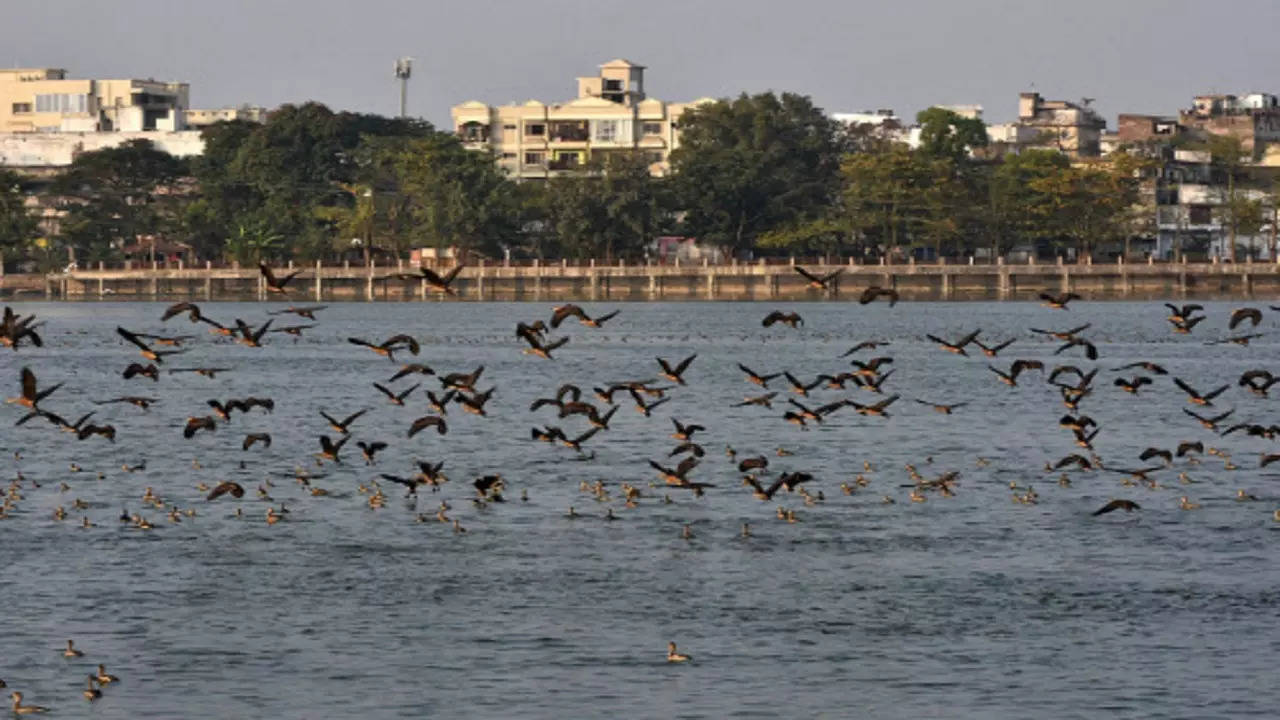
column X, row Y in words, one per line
column 818, row 282
column 777, row 316
column 871, row 293
column 1058, row 302
column 276, row 284
column 20, row 709
column 71, row 651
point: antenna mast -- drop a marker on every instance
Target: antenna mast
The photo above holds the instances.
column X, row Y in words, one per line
column 404, row 68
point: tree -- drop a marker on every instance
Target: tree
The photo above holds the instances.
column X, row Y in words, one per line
column 118, row 194
column 883, row 198
column 1228, row 156
column 456, row 197
column 946, row 134
column 754, row 164
column 17, row 226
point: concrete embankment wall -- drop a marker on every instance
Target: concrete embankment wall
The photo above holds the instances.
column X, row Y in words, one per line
column 619, row 282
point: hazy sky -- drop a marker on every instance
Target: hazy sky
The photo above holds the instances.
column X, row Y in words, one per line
column 1131, row 55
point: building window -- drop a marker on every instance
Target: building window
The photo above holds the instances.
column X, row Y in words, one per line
column 535, row 129
column 606, row 130
column 652, row 128
column 613, row 85
column 19, row 108
column 508, row 156
column 62, row 103
column 509, row 126
column 534, row 158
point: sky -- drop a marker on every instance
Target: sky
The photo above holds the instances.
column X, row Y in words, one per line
column 848, row 55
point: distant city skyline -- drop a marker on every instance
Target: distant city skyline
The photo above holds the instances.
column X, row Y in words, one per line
column 1136, row 56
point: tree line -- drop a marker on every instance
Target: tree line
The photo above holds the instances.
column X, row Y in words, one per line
column 756, row 175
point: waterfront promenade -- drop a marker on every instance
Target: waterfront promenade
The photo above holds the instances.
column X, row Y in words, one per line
column 619, row 281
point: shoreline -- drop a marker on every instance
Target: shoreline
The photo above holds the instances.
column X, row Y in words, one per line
column 592, row 282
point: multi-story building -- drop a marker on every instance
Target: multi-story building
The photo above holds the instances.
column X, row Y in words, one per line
column 200, row 117
column 1254, row 118
column 1074, row 129
column 611, row 114
column 46, row 100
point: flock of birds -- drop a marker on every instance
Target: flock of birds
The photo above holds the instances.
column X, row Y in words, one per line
column 593, row 407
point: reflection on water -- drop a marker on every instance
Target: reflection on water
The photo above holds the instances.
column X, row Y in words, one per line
column 969, row 606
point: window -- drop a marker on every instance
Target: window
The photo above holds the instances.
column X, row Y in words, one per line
column 508, row 156
column 605, row 130
column 535, row 129
column 509, row 126
column 652, row 128
column 19, row 108
column 613, row 85
column 534, row 158
column 62, row 103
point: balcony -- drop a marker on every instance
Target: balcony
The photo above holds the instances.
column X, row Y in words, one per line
column 569, row 163
column 569, row 131
column 473, row 132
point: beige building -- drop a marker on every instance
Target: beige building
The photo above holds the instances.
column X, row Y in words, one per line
column 46, row 100
column 610, row 114
column 199, row 118
column 1074, row 129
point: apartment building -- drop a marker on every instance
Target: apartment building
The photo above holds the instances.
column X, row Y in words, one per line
column 1073, row 128
column 1254, row 118
column 611, row 113
column 46, row 100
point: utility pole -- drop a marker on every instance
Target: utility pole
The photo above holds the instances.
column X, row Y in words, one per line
column 404, row 68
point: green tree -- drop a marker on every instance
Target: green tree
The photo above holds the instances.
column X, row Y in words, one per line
column 754, row 164
column 118, row 194
column 18, row 228
column 456, row 197
column 883, row 201
column 945, row 134
column 1228, row 156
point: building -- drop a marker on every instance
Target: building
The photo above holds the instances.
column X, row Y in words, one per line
column 200, row 118
column 611, row 114
column 46, row 100
column 1075, row 129
column 1254, row 118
